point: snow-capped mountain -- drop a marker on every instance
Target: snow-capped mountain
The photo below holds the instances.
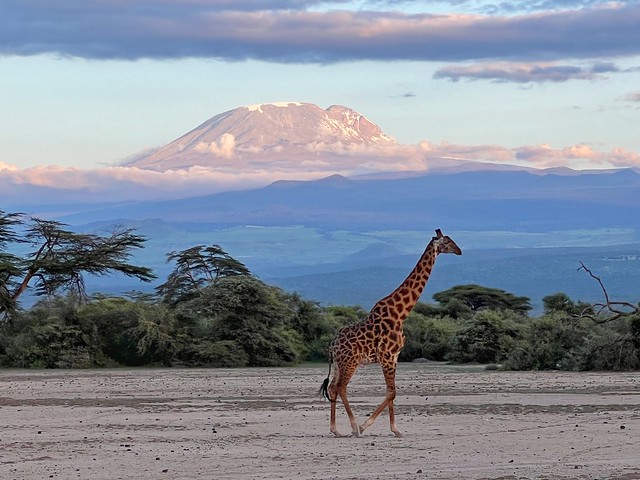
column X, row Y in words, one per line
column 265, row 132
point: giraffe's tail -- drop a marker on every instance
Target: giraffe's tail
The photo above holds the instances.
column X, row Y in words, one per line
column 324, row 388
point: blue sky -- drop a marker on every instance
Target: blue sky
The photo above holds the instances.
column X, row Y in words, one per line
column 87, row 83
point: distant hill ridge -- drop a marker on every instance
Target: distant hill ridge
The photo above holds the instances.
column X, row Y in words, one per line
column 266, row 130
column 484, row 200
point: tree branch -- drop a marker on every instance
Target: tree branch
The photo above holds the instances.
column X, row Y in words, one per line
column 608, row 311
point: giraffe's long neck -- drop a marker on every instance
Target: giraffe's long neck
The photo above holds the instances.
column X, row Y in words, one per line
column 402, row 300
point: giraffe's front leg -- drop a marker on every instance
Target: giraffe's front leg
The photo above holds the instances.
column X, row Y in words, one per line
column 389, row 371
column 374, row 415
column 392, row 421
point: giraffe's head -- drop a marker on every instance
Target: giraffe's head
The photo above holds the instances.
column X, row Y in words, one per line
column 444, row 244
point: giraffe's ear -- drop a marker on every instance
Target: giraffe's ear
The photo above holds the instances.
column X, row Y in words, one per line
column 438, row 233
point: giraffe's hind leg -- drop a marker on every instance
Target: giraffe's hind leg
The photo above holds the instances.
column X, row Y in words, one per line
column 333, row 398
column 337, row 388
column 355, row 431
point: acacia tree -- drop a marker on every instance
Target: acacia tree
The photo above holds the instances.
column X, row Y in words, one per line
column 49, row 258
column 196, row 268
column 478, row 298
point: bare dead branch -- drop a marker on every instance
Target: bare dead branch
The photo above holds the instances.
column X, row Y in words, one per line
column 608, row 311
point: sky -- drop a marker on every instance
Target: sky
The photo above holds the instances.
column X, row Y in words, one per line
column 88, row 84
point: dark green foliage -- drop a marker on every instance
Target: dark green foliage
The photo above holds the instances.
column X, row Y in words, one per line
column 456, row 308
column 477, row 298
column 634, row 330
column 245, row 310
column 132, row 333
column 486, row 338
column 610, row 351
column 111, row 331
column 205, row 353
column 551, row 342
column 562, row 342
column 428, row 337
column 560, row 302
column 50, row 336
column 427, row 309
column 615, row 346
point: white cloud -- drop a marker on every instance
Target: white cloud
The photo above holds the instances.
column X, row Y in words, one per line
column 222, row 147
column 7, row 166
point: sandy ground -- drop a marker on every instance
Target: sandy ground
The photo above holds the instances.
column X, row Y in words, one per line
column 270, row 423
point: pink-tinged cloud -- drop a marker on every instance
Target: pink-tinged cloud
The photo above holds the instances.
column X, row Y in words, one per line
column 525, row 72
column 544, row 156
column 294, row 32
column 632, row 97
column 120, row 183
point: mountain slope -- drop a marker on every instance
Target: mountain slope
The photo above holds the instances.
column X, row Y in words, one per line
column 264, row 132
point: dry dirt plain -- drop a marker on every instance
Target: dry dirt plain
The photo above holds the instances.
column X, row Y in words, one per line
column 464, row 423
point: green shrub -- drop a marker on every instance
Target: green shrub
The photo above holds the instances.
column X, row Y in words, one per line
column 550, row 342
column 294, row 341
column 613, row 345
column 428, row 337
column 205, row 353
column 132, row 333
column 486, row 338
column 50, row 335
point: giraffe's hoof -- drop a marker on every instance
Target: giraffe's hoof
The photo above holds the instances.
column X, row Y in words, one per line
column 361, row 428
column 355, row 433
column 398, row 434
column 336, row 434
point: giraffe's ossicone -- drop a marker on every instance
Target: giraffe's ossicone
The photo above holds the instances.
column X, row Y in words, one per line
column 379, row 339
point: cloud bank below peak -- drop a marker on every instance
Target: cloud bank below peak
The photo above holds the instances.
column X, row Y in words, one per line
column 38, row 185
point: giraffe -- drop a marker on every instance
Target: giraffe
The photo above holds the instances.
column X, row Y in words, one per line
column 379, row 339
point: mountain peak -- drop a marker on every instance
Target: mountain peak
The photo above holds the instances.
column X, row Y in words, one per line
column 259, row 106
column 265, row 132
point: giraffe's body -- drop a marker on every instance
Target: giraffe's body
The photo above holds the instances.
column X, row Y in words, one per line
column 379, row 338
